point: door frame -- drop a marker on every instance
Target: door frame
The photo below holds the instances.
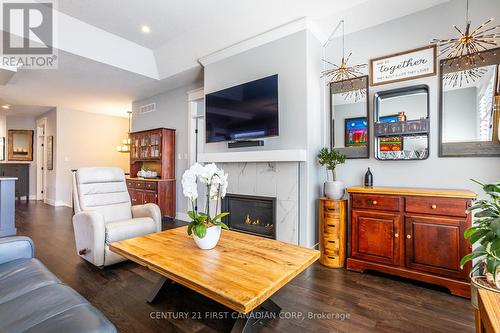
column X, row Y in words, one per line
column 41, row 159
column 193, row 97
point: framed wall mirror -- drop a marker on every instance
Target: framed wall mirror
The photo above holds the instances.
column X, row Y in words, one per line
column 469, row 105
column 350, row 130
column 401, row 124
column 20, row 145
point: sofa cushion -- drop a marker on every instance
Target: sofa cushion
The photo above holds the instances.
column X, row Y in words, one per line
column 21, row 276
column 53, row 308
column 83, row 318
column 120, row 230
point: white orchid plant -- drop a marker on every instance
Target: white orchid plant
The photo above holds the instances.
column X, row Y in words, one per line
column 216, row 183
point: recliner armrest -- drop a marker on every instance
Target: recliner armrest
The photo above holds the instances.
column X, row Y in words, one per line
column 90, row 236
column 148, row 210
column 16, row 247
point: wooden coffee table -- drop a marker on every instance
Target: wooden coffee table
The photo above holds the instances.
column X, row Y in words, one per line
column 242, row 272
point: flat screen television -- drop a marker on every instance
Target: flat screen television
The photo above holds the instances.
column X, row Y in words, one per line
column 247, row 111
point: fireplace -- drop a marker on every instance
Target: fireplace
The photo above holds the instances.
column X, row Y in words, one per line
column 251, row 214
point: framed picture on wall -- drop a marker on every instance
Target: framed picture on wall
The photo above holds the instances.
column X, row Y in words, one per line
column 356, row 132
column 402, row 66
column 50, row 152
column 2, row 149
column 20, row 145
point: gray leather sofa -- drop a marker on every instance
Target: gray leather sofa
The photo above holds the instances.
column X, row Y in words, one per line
column 32, row 299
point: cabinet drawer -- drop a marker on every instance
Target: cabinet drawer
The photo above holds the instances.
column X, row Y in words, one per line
column 137, row 184
column 437, row 206
column 331, row 243
column 331, row 226
column 379, row 202
column 150, row 186
column 330, row 261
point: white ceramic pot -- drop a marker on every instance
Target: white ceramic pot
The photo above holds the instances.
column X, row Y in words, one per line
column 334, row 189
column 211, row 238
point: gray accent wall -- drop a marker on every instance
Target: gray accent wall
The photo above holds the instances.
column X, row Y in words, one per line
column 407, row 33
column 171, row 112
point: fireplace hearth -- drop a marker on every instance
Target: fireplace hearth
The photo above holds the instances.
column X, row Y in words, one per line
column 251, row 214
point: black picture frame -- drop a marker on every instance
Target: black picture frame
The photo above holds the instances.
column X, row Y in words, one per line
column 50, row 152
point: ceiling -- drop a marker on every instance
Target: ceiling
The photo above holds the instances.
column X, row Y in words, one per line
column 101, row 74
column 170, row 18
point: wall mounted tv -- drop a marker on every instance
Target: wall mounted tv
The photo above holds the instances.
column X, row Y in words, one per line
column 247, row 111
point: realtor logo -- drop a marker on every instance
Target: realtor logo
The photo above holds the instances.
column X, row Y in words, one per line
column 28, row 34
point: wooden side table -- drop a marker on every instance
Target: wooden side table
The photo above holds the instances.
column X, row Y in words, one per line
column 332, row 232
column 488, row 315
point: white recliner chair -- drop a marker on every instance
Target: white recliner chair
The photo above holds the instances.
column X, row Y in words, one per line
column 104, row 214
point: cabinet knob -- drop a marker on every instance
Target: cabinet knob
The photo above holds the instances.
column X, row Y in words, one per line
column 396, row 235
column 434, row 206
column 374, row 202
column 134, row 200
column 408, row 236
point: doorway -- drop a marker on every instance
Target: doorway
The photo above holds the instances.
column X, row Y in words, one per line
column 41, row 144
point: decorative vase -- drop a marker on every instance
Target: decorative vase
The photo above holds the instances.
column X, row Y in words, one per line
column 211, row 238
column 334, row 189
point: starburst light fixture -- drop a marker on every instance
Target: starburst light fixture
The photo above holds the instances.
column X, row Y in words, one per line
column 469, row 44
column 343, row 71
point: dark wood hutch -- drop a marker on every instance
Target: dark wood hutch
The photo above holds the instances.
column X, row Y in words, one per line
column 155, row 150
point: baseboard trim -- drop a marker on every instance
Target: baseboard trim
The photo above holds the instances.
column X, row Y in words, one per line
column 182, row 216
column 56, row 203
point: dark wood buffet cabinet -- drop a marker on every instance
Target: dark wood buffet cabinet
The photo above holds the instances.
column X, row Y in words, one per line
column 155, row 150
column 413, row 233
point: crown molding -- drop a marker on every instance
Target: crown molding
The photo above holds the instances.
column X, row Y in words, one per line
column 281, row 31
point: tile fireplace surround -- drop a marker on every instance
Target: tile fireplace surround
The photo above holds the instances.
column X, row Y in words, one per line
column 278, row 180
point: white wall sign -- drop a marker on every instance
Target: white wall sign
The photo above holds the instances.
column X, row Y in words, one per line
column 403, row 66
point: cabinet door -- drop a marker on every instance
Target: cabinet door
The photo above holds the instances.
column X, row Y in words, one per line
column 136, row 196
column 155, row 145
column 149, row 197
column 436, row 244
column 144, row 146
column 375, row 236
column 134, row 146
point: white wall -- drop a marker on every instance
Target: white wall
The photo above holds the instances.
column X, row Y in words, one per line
column 24, row 123
column 171, row 112
column 83, row 140
column 404, row 34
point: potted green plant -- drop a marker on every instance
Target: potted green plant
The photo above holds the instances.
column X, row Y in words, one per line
column 485, row 239
column 330, row 158
column 204, row 228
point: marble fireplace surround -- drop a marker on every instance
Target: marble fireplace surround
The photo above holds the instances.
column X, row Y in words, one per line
column 279, row 180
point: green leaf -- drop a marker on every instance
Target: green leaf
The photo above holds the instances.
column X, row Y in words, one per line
column 474, row 254
column 492, row 264
column 220, row 216
column 200, row 230
column 222, row 225
column 469, row 232
column 478, row 235
column 495, row 245
column 192, row 214
column 190, row 229
column 495, row 226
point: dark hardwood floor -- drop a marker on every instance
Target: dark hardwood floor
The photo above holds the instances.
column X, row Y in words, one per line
column 343, row 301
